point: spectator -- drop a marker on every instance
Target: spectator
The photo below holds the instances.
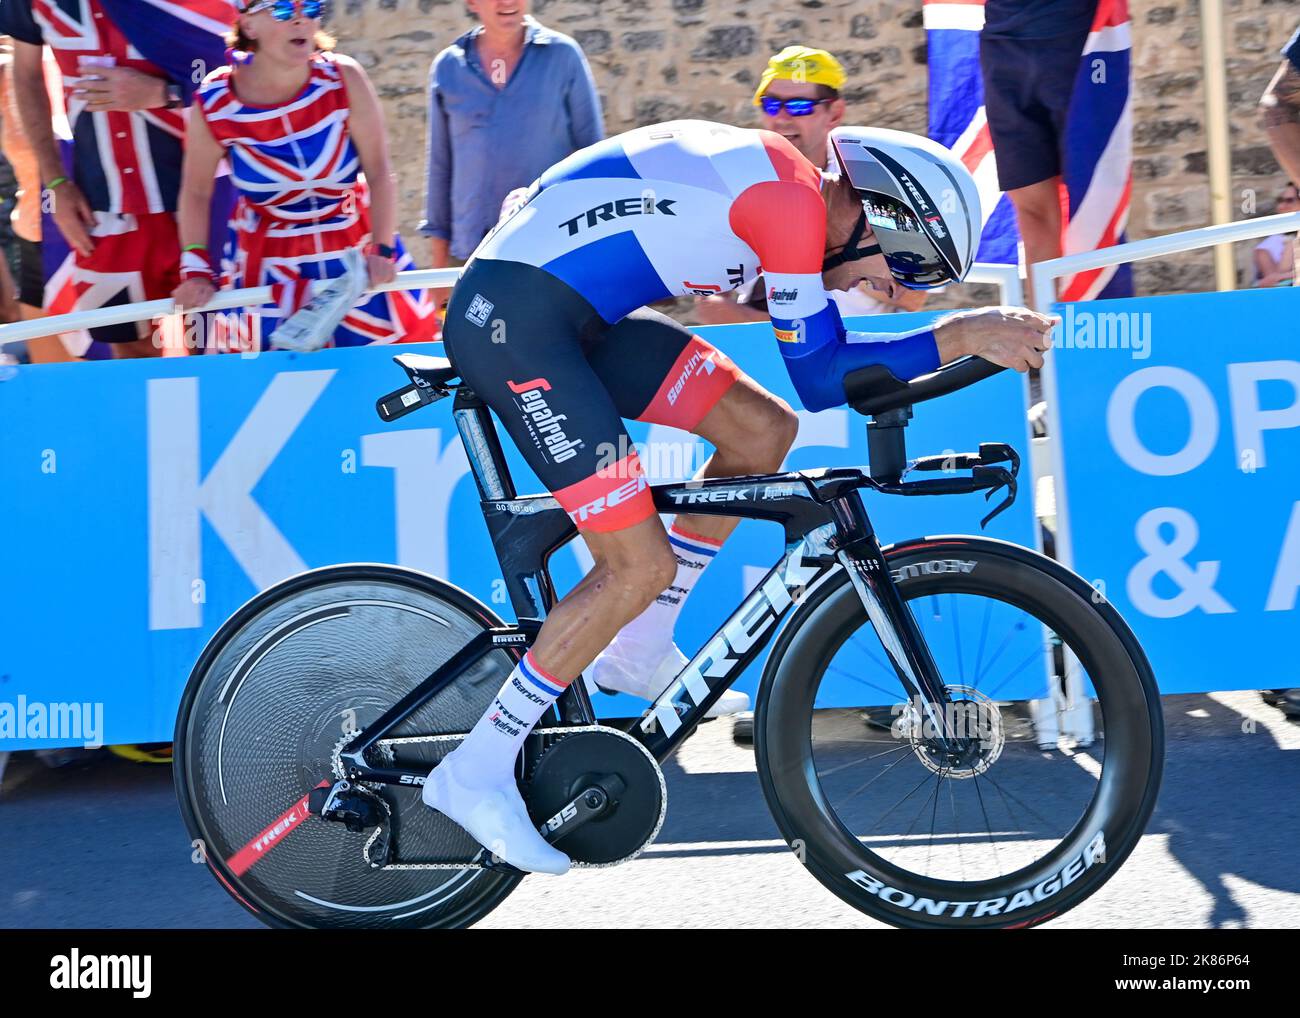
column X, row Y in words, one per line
column 127, row 73
column 1029, row 57
column 302, row 205
column 26, row 216
column 1273, row 259
column 507, row 100
column 1280, row 108
column 799, row 96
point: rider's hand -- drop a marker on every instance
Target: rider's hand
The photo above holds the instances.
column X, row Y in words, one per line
column 1008, row 336
column 73, row 216
column 193, row 293
column 381, row 269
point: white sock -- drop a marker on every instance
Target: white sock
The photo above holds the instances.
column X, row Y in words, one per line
column 489, row 751
column 656, row 624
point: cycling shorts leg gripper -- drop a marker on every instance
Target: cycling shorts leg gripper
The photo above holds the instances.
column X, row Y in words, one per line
column 515, row 333
column 613, row 498
column 699, row 377
column 659, row 372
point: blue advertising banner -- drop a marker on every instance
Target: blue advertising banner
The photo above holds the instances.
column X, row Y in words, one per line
column 1179, row 430
column 144, row 501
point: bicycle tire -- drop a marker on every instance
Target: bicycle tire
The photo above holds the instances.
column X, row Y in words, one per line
column 347, row 661
column 1127, row 695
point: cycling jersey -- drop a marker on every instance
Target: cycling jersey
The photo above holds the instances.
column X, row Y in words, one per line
column 692, row 207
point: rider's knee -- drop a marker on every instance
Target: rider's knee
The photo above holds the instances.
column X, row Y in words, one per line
column 637, row 578
column 775, row 429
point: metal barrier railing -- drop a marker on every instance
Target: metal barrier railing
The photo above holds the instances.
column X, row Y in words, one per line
column 225, row 300
column 1007, row 277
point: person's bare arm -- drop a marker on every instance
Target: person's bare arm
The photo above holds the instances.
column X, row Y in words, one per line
column 71, row 211
column 439, row 252
column 1269, row 272
column 1009, row 336
column 202, row 156
column 1280, row 116
column 366, row 125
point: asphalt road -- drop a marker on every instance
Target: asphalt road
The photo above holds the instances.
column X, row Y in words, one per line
column 103, row 846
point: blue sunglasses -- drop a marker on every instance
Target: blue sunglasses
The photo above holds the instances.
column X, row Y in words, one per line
column 287, row 10
column 794, row 107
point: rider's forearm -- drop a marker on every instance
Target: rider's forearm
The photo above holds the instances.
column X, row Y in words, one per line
column 950, row 341
column 818, row 372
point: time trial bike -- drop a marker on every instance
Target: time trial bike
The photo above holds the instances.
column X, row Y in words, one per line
column 894, row 735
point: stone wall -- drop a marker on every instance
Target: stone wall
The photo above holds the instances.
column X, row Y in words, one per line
column 658, row 59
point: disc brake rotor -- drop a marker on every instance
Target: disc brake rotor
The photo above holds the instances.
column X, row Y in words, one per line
column 977, row 722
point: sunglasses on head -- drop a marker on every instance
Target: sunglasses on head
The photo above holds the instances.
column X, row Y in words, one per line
column 287, row 10
column 794, row 107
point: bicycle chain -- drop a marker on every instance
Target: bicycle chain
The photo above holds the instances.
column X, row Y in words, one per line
column 386, row 746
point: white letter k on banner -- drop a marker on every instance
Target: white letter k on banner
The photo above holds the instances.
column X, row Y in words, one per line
column 178, row 500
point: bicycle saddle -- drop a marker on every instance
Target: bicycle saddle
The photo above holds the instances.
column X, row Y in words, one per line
column 435, row 371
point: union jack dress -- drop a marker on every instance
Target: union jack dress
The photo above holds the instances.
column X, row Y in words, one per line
column 302, row 201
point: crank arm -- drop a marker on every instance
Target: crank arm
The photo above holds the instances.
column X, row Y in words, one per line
column 592, row 802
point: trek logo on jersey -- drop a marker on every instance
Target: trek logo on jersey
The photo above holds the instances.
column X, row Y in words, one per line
column 775, row 296
column 623, row 493
column 542, row 422
column 609, row 211
column 698, row 362
column 479, row 309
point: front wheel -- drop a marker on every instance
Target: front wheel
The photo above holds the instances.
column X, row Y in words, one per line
column 1003, row 833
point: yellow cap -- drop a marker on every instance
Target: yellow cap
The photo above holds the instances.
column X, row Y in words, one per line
column 801, row 63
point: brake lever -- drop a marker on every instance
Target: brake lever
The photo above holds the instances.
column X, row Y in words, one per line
column 1005, row 479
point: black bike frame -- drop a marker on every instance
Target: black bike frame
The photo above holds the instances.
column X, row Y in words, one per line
column 826, row 526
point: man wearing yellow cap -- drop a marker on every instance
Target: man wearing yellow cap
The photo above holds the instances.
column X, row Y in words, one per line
column 799, row 99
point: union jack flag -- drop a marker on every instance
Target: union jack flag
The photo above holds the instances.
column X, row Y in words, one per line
column 1099, row 155
column 1097, row 148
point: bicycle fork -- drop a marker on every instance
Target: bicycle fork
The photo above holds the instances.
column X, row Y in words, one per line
column 860, row 554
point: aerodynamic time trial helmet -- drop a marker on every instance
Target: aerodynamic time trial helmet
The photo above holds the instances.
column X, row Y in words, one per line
column 920, row 201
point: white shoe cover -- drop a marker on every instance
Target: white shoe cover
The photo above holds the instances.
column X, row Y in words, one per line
column 624, row 667
column 494, row 815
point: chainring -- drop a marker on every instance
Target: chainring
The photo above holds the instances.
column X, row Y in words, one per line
column 570, row 765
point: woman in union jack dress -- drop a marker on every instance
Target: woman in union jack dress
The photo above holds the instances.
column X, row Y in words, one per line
column 304, row 134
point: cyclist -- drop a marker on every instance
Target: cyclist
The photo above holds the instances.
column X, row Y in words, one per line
column 547, row 325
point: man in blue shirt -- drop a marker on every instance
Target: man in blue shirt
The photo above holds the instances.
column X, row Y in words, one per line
column 507, row 99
